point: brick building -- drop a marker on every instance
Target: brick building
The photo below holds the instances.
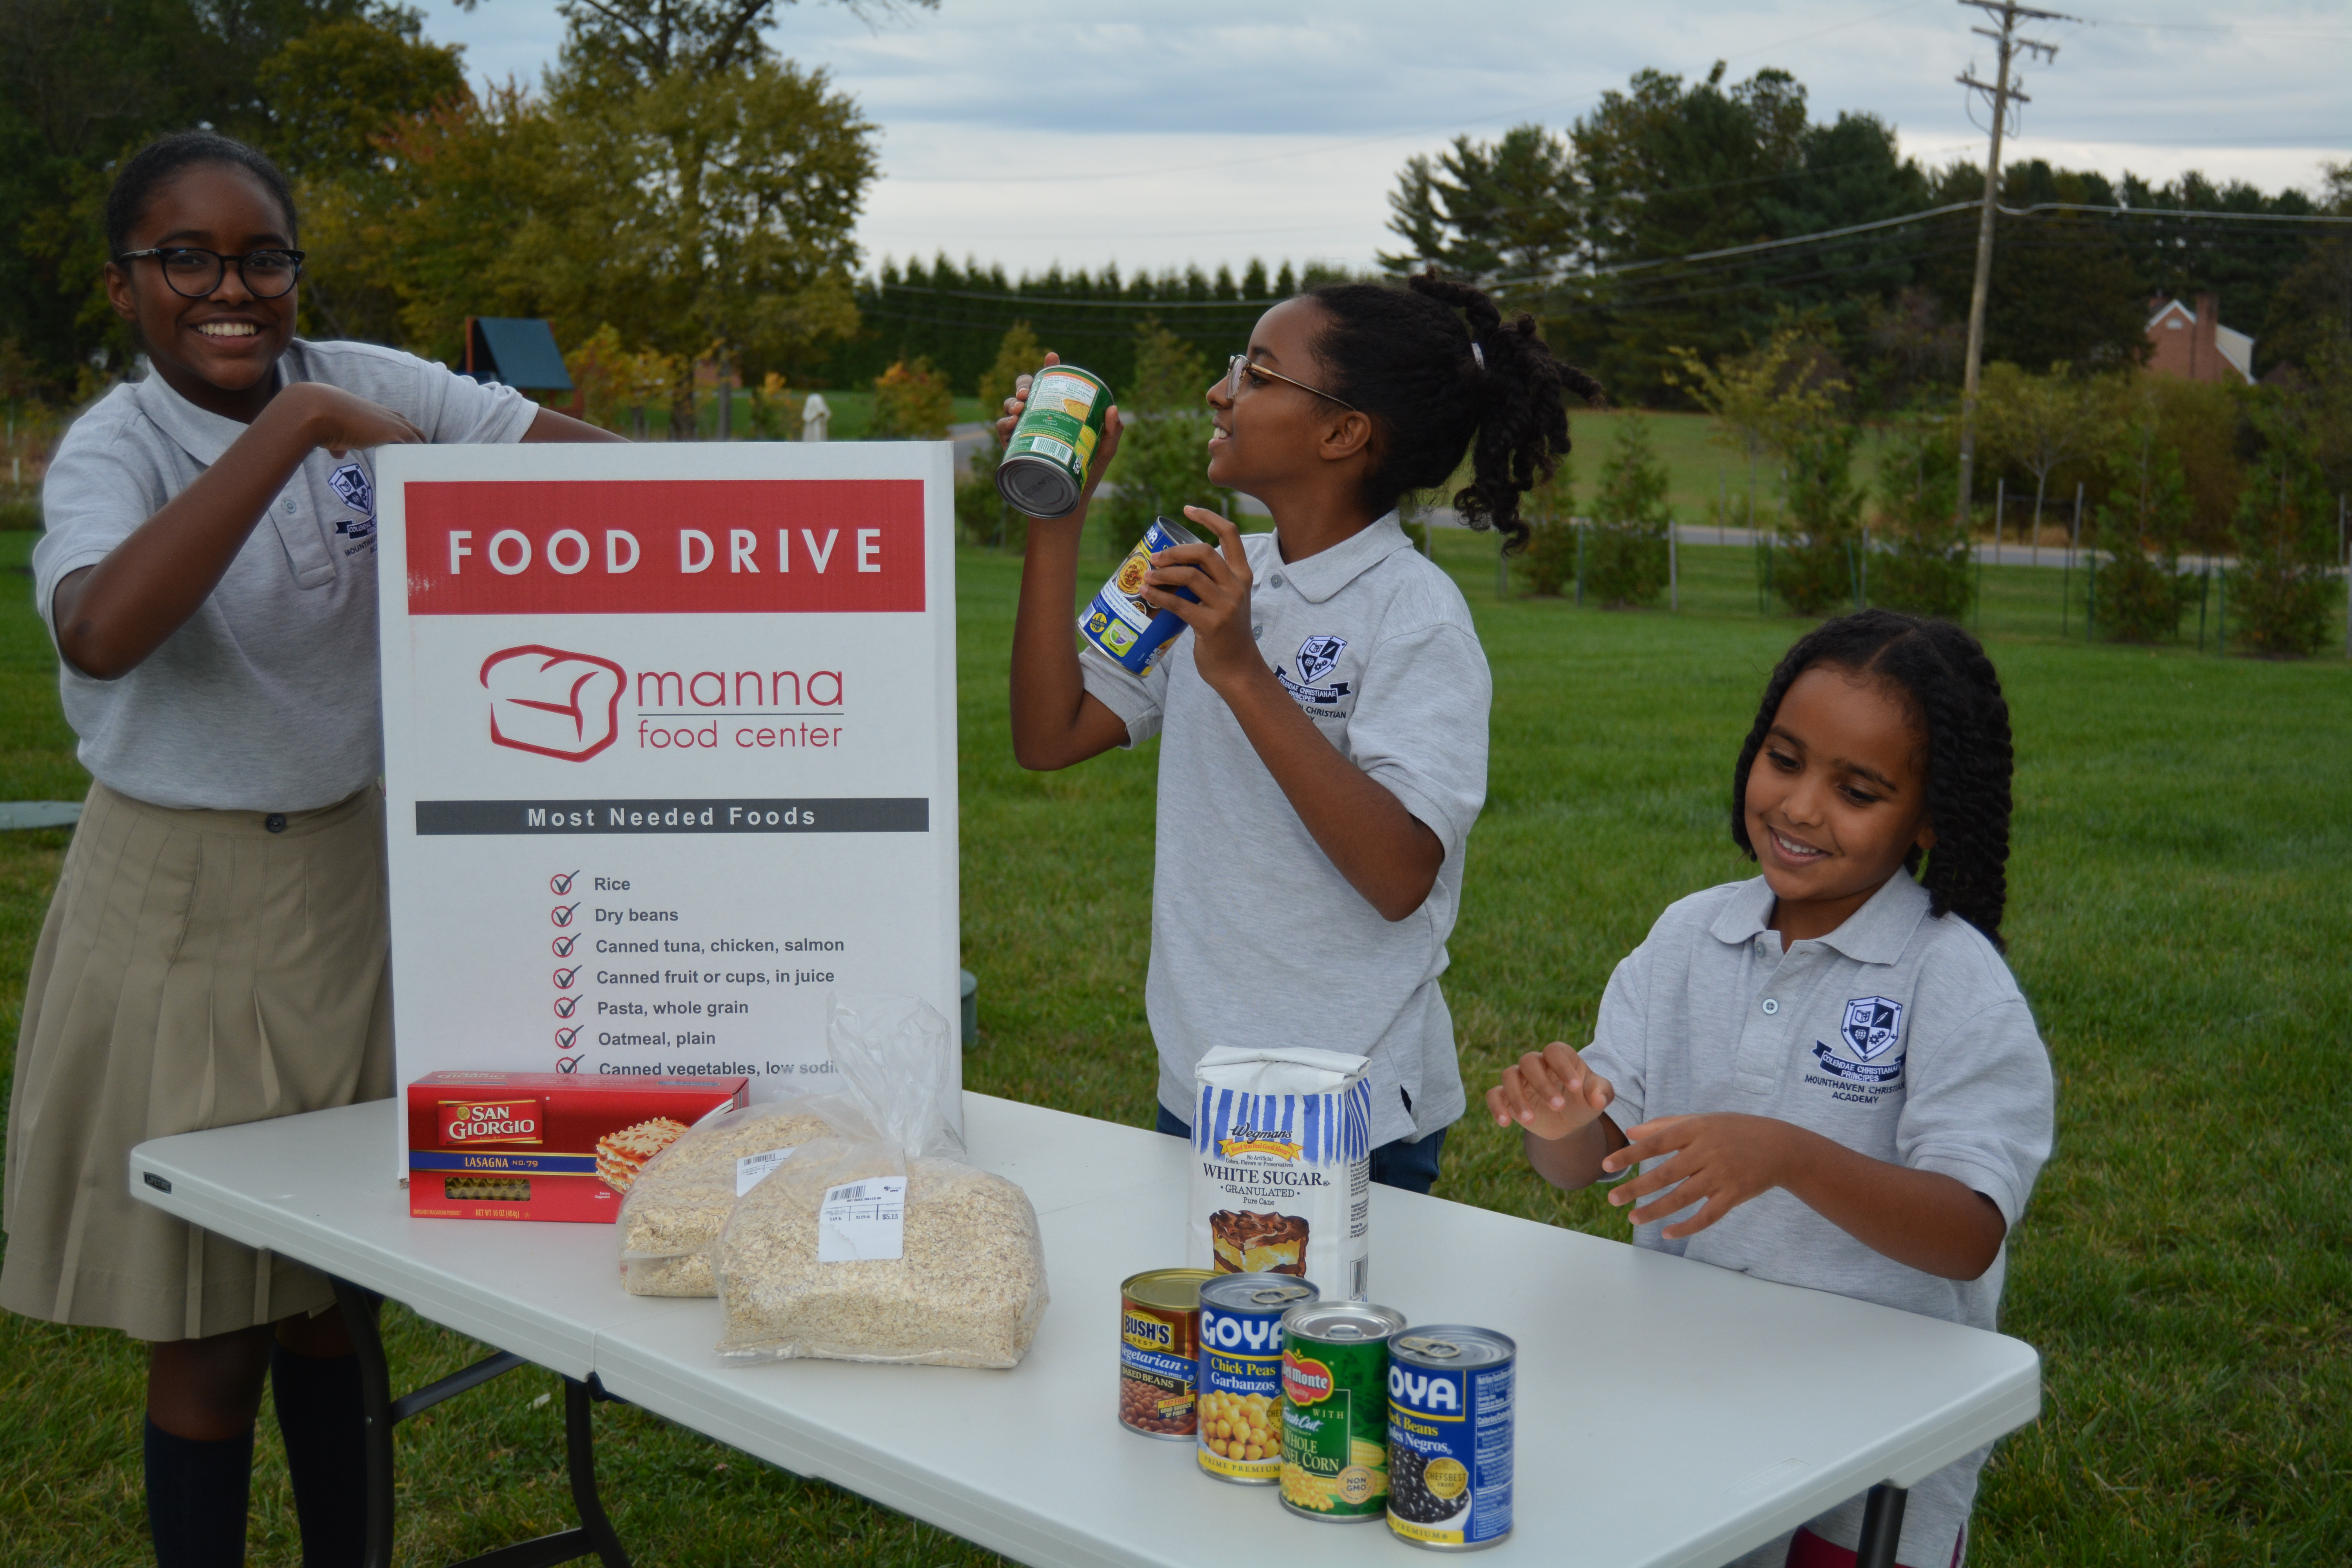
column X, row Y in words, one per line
column 2193, row 344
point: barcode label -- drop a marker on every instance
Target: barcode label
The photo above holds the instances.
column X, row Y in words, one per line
column 1360, row 1285
column 862, row 1222
column 1046, row 446
column 752, row 1169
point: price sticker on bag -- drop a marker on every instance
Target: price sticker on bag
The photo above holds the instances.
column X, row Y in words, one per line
column 862, row 1222
column 752, row 1169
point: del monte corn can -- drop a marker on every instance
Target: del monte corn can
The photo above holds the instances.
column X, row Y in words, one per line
column 1450, row 1422
column 1335, row 1409
column 1046, row 462
column 1241, row 1374
column 1127, row 630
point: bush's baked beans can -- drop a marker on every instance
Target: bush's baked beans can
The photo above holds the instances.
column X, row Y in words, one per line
column 1160, row 1352
column 1335, row 1409
column 1241, row 1374
column 1450, row 1422
column 1127, row 631
column 1044, row 471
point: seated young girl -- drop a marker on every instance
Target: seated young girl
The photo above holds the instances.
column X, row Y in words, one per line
column 1826, row 1074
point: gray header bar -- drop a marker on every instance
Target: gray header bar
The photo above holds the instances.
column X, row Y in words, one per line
column 439, row 818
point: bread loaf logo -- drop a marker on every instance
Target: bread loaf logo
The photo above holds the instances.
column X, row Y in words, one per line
column 490, row 1122
column 552, row 702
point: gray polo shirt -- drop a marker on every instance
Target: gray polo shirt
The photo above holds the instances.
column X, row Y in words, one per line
column 267, row 699
column 1899, row 1035
column 1256, row 940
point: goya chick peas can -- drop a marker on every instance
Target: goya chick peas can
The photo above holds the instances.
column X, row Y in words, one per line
column 1160, row 1352
column 1335, row 1409
column 1241, row 1374
column 1450, row 1434
column 1044, row 471
column 1120, row 623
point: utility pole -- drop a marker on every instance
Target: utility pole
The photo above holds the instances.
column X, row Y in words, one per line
column 2002, row 93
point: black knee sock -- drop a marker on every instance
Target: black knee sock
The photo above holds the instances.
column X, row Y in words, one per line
column 196, row 1495
column 326, row 1453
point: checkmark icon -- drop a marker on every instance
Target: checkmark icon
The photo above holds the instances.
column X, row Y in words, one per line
column 562, row 913
column 561, row 883
column 564, row 1038
column 567, row 1064
column 562, row 945
column 563, row 977
column 566, row 1005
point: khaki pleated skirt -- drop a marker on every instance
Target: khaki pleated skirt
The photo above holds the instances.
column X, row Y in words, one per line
column 195, row 970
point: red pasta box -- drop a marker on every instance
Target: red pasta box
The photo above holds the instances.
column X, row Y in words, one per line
column 545, row 1145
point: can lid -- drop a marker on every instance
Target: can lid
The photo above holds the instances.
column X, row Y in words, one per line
column 1168, row 1290
column 1258, row 1292
column 1343, row 1323
column 1454, row 1345
column 1038, row 486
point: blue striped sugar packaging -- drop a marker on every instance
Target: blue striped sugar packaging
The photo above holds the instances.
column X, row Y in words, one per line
column 1281, row 1180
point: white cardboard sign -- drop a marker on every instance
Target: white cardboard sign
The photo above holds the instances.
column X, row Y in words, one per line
column 669, row 750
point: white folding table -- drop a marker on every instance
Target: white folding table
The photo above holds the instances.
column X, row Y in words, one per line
column 1670, row 1414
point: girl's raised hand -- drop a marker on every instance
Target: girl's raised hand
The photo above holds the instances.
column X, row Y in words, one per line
column 1018, row 404
column 340, row 421
column 1551, row 1093
column 1218, row 575
column 1721, row 1159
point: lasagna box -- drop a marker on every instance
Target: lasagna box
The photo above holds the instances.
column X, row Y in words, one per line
column 544, row 1145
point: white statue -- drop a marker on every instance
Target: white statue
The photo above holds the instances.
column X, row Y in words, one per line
column 815, row 415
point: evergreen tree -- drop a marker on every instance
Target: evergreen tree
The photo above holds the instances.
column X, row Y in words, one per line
column 1625, row 550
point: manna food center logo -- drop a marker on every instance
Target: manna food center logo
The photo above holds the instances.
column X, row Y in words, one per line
column 554, row 702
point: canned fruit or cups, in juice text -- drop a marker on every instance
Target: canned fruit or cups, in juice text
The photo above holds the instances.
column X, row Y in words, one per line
column 1118, row 623
column 1160, row 1352
column 1450, row 1422
column 1241, row 1374
column 1044, row 471
column 1334, row 1426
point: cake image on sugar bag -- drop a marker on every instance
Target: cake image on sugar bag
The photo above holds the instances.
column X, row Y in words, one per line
column 1251, row 1243
column 621, row 1155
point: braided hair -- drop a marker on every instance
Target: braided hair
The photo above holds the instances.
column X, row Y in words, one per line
column 1954, row 694
column 1403, row 357
column 153, row 165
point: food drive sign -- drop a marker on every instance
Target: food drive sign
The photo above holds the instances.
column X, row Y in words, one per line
column 669, row 751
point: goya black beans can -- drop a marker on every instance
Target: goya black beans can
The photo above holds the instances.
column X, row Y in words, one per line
column 1335, row 1409
column 1127, row 630
column 1044, row 471
column 1160, row 1352
column 1241, row 1374
column 1450, row 1433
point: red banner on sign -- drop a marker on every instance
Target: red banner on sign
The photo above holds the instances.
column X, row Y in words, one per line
column 665, row 546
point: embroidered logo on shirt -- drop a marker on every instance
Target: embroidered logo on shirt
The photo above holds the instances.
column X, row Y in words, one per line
column 1871, row 1026
column 360, row 531
column 1318, row 658
column 351, row 482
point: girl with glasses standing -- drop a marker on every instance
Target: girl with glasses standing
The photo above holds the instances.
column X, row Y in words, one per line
column 215, row 952
column 1324, row 749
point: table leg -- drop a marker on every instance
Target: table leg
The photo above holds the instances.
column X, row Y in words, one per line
column 1882, row 1526
column 381, row 1412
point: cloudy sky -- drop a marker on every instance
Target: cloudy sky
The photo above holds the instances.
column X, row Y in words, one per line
column 1155, row 133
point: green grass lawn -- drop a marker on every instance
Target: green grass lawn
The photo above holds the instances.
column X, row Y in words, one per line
column 2180, row 916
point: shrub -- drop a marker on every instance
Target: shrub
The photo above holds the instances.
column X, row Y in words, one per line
column 1817, row 567
column 911, row 402
column 1918, row 559
column 2283, row 593
column 1626, row 546
column 1548, row 562
column 1163, row 464
column 2137, row 594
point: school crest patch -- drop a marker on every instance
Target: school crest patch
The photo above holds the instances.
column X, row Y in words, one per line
column 351, row 482
column 1318, row 658
column 1873, row 1025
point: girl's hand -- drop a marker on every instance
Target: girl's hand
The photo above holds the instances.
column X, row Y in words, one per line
column 1551, row 1093
column 1223, row 650
column 339, row 421
column 1018, row 404
column 1721, row 1159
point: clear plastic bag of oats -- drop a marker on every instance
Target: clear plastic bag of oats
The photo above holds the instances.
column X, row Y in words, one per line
column 889, row 1245
column 678, row 1205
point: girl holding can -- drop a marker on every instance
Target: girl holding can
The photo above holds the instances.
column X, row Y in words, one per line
column 215, row 952
column 1323, row 727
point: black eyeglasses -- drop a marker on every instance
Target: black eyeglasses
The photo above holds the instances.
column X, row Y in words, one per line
column 194, row 274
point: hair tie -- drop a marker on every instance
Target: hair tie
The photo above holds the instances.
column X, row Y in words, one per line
column 1479, row 354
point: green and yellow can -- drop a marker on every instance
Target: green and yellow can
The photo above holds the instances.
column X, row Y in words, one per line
column 1335, row 1409
column 1044, row 471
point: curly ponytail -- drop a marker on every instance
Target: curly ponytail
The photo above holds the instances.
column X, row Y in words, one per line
column 1954, row 692
column 1402, row 356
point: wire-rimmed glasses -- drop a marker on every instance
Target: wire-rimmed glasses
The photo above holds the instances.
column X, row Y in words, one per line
column 1242, row 365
